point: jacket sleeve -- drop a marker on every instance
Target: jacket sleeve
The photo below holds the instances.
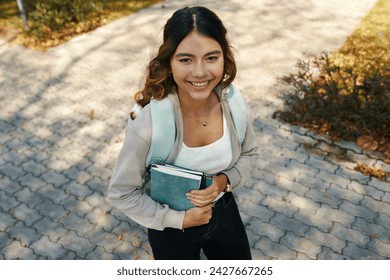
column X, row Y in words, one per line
column 240, row 171
column 126, row 191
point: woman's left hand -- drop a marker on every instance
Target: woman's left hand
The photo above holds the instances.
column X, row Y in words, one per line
column 206, row 196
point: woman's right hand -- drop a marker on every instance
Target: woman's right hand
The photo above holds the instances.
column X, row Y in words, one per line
column 197, row 216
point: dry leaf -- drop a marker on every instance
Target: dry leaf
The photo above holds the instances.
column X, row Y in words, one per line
column 91, row 114
column 367, row 142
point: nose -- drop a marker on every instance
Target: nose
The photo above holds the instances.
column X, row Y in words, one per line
column 199, row 70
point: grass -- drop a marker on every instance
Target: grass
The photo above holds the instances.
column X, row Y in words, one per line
column 42, row 38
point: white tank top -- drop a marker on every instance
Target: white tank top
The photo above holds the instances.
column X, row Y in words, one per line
column 212, row 158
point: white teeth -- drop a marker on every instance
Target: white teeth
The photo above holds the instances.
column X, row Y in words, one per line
column 199, row 84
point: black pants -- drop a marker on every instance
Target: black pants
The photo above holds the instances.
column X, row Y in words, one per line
column 223, row 238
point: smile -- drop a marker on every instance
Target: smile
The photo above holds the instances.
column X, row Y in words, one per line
column 199, row 84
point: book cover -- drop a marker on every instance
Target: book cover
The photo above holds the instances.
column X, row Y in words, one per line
column 169, row 185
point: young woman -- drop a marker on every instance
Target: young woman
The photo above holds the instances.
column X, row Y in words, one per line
column 193, row 68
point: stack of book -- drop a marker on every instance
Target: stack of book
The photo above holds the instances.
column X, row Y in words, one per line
column 169, row 185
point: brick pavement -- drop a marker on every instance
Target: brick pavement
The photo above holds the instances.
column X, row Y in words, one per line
column 305, row 201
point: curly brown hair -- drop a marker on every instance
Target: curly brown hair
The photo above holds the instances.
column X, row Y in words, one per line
column 159, row 82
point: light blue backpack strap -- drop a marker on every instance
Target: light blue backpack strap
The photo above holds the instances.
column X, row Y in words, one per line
column 238, row 109
column 163, row 131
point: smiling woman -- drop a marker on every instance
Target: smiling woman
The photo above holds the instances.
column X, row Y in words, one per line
column 193, row 73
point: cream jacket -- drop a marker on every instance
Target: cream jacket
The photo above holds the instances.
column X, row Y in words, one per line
column 127, row 191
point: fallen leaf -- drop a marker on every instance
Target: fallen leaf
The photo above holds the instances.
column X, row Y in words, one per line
column 367, row 142
column 91, row 114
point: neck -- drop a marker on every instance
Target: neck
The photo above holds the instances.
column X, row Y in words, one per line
column 194, row 106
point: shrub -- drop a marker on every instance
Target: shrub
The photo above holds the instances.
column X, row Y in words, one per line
column 340, row 98
column 52, row 15
column 346, row 95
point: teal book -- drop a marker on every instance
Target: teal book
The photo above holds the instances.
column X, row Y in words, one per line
column 169, row 185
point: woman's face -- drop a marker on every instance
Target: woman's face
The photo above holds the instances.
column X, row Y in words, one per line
column 197, row 66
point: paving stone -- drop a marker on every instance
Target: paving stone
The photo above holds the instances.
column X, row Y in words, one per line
column 56, row 179
column 51, row 229
column 288, row 224
column 11, row 171
column 313, row 220
column 255, row 194
column 288, row 185
column 302, row 245
column 266, row 229
column 7, row 202
column 328, row 254
column 345, row 194
column 342, row 160
column 49, row 209
column 382, row 248
column 259, row 255
column 6, row 221
column 358, row 211
column 323, row 198
column 260, row 211
column 335, row 215
column 386, row 198
column 100, row 218
column 275, row 250
column 302, row 202
column 15, row 251
column 33, row 167
column 357, row 253
column 48, row 249
column 333, row 178
column 379, row 185
column 383, row 220
column 270, row 190
column 17, row 145
column 26, row 235
column 80, row 225
column 80, row 207
column 350, row 235
column 99, row 236
column 28, row 197
column 300, row 168
column 286, row 153
column 56, row 165
column 100, row 254
column 97, row 185
column 326, row 239
column 95, row 199
column 319, row 163
column 27, row 215
column 281, row 206
column 365, row 190
column 372, row 230
column 265, row 176
column 352, row 175
column 80, row 245
column 76, row 189
column 377, row 206
column 312, row 182
column 349, row 146
column 14, row 158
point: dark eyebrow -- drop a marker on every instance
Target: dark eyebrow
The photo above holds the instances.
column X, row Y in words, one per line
column 191, row 55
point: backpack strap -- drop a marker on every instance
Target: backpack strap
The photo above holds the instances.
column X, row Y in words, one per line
column 238, row 110
column 163, row 131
